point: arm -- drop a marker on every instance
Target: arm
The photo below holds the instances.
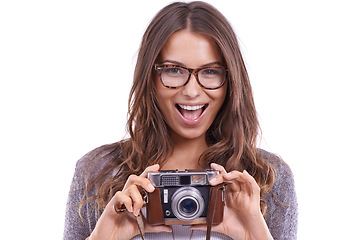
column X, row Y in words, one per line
column 77, row 228
column 281, row 216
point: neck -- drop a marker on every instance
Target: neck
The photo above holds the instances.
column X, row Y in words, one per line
column 186, row 154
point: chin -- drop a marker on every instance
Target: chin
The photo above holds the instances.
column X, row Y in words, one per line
column 191, row 134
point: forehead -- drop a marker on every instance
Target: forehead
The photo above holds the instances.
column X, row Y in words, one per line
column 191, row 49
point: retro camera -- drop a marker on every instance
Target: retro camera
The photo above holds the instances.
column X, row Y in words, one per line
column 183, row 197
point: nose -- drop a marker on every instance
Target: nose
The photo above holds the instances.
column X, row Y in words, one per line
column 192, row 89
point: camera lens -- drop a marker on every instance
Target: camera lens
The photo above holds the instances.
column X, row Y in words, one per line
column 187, row 203
column 188, row 206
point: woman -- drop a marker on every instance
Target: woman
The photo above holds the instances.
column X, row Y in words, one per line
column 190, row 107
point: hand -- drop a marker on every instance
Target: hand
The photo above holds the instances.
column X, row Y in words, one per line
column 242, row 216
column 116, row 226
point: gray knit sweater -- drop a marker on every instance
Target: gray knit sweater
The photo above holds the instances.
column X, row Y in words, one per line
column 280, row 218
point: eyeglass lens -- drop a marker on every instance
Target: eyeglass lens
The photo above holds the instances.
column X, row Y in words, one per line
column 209, row 77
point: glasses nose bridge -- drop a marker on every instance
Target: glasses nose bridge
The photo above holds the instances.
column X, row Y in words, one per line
column 194, row 72
column 192, row 88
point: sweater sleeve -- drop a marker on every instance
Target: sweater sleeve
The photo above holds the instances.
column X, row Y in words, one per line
column 282, row 212
column 77, row 227
column 80, row 226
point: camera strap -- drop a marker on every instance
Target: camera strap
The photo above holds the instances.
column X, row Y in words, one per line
column 216, row 201
column 140, row 222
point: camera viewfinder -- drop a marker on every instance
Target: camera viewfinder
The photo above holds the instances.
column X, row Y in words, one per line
column 198, row 179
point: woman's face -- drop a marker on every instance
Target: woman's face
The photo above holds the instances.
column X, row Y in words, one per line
column 190, row 110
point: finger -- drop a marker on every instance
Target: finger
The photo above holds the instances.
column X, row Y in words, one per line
column 218, row 167
column 139, row 181
column 234, row 181
column 219, row 178
column 137, row 199
column 152, row 168
column 235, row 175
column 253, row 184
column 242, row 182
column 246, row 182
column 120, row 199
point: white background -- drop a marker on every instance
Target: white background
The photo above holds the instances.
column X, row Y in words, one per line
column 66, row 69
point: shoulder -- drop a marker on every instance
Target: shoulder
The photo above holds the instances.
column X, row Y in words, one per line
column 276, row 161
column 282, row 169
column 97, row 158
column 91, row 163
column 284, row 185
column 99, row 153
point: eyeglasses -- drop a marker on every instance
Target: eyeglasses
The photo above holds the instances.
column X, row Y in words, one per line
column 174, row 76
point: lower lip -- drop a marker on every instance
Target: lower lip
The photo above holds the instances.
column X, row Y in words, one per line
column 191, row 122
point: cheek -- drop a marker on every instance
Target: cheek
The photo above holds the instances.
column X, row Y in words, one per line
column 219, row 96
column 219, row 99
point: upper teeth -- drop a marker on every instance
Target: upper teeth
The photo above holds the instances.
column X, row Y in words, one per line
column 191, row 108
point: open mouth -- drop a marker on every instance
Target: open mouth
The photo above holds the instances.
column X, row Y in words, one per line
column 191, row 112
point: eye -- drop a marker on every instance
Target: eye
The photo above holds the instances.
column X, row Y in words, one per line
column 173, row 71
column 212, row 72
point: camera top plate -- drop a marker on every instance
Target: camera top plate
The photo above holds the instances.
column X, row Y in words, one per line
column 191, row 177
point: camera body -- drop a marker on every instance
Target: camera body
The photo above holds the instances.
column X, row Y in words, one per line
column 183, row 197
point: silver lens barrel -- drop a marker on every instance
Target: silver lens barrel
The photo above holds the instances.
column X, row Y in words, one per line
column 187, row 204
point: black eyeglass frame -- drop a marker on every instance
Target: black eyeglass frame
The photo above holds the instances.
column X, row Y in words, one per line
column 160, row 67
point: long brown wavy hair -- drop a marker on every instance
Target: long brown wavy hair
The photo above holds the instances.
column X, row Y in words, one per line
column 231, row 138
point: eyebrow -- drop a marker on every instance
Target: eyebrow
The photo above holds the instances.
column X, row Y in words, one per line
column 182, row 64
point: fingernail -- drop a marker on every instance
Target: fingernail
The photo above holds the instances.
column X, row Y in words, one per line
column 136, row 212
column 151, row 188
column 212, row 181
